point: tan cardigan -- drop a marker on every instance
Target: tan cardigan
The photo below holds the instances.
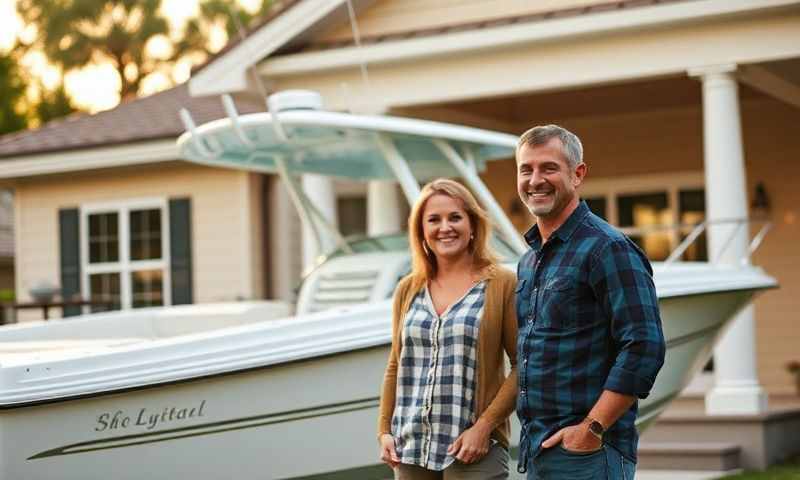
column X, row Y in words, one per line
column 496, row 393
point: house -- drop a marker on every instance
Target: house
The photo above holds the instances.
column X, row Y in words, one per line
column 6, row 242
column 678, row 102
column 107, row 210
column 688, row 111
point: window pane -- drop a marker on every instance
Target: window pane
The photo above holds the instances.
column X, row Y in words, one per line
column 352, row 213
column 147, row 288
column 103, row 238
column 597, row 205
column 646, row 211
column 145, row 234
column 692, row 212
column 105, row 289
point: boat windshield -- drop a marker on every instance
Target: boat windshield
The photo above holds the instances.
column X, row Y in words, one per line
column 396, row 242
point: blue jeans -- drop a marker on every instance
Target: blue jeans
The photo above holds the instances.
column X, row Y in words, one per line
column 558, row 463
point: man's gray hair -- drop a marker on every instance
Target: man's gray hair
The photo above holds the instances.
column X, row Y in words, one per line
column 570, row 143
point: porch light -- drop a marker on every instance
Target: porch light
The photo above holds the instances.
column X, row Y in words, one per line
column 760, row 204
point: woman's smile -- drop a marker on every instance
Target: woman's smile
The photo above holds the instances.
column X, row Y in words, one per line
column 446, row 226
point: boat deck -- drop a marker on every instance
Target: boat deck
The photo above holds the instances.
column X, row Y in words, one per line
column 23, row 352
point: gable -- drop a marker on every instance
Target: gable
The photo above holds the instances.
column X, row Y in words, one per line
column 392, row 17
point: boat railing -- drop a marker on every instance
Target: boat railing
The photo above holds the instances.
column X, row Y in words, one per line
column 697, row 229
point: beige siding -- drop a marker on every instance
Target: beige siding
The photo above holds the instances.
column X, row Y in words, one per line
column 772, row 148
column 222, row 210
column 256, row 229
column 285, row 246
column 393, row 16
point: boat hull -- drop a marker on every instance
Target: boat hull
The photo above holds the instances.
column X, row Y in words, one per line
column 312, row 418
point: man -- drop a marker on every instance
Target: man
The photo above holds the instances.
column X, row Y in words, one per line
column 590, row 340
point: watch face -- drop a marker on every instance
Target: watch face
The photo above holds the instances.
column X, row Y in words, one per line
column 596, row 428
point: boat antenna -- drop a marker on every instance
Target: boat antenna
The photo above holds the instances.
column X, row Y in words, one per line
column 237, row 22
column 357, row 39
column 276, row 124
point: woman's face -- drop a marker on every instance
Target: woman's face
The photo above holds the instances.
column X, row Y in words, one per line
column 446, row 227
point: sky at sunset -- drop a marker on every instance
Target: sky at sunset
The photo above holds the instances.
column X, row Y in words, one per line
column 95, row 87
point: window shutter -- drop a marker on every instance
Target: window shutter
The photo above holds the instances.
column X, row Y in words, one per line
column 180, row 250
column 70, row 257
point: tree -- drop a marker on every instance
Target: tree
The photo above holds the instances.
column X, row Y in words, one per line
column 215, row 13
column 53, row 104
column 75, row 33
column 12, row 92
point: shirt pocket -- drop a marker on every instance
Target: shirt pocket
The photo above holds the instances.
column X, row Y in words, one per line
column 558, row 308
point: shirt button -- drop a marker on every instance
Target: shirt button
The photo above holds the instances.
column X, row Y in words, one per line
column 525, row 362
column 522, row 392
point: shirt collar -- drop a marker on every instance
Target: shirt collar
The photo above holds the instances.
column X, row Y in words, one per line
column 564, row 232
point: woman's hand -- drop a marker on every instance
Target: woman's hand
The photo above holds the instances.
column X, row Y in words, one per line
column 472, row 444
column 388, row 452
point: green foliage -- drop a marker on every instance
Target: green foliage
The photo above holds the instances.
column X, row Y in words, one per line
column 789, row 470
column 12, row 91
column 6, row 295
column 76, row 33
column 53, row 104
column 224, row 13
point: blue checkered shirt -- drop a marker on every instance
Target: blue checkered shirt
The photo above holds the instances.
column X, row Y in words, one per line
column 436, row 377
column 588, row 321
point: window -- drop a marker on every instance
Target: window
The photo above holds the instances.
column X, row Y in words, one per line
column 692, row 211
column 655, row 211
column 649, row 215
column 124, row 254
column 598, row 206
column 352, row 215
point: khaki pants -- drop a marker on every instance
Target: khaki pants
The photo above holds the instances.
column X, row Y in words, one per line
column 494, row 466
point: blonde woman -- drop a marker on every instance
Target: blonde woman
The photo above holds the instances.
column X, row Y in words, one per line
column 446, row 398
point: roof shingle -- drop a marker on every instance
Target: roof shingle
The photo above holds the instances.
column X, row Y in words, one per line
column 148, row 118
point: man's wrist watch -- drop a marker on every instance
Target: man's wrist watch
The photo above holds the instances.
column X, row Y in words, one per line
column 595, row 427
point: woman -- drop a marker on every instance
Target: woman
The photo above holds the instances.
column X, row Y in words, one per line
column 446, row 399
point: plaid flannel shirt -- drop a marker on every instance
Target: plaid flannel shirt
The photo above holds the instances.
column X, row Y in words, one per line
column 436, row 377
column 588, row 321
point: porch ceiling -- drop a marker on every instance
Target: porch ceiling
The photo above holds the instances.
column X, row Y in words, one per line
column 622, row 98
column 787, row 69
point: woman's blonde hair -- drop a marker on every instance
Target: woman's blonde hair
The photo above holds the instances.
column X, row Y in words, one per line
column 423, row 260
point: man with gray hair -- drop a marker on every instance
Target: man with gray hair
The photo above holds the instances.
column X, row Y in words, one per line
column 590, row 340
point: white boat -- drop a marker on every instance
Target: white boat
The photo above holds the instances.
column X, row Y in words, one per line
column 274, row 391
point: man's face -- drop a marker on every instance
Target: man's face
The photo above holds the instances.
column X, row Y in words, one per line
column 545, row 182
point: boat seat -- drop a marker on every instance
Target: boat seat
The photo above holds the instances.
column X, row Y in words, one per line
column 352, row 280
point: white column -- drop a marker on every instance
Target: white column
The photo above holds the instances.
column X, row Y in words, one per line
column 383, row 208
column 736, row 389
column 319, row 190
